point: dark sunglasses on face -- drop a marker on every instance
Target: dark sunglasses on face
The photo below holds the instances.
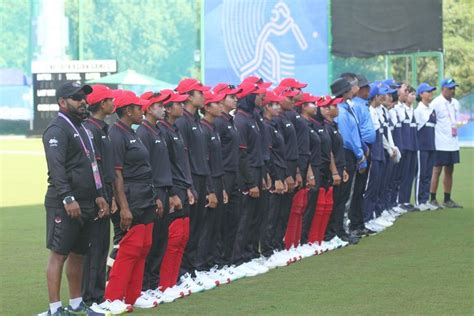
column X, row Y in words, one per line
column 231, row 86
column 77, row 97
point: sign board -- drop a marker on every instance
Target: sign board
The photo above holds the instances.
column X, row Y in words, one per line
column 48, row 75
column 272, row 39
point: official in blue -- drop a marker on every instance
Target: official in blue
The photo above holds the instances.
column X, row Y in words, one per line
column 353, row 149
column 153, row 139
column 194, row 140
column 367, row 135
column 74, row 197
column 100, row 104
column 230, row 154
column 426, row 119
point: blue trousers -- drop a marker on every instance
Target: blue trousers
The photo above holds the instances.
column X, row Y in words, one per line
column 372, row 190
column 408, row 172
column 426, row 161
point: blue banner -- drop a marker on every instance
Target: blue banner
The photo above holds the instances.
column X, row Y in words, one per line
column 267, row 38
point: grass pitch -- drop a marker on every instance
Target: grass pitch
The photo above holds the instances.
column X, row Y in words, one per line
column 422, row 265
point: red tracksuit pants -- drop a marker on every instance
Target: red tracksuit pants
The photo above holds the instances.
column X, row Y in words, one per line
column 322, row 214
column 178, row 235
column 295, row 221
column 126, row 276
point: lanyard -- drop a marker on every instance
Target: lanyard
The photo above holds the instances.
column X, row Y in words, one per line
column 449, row 112
column 79, row 134
column 95, row 168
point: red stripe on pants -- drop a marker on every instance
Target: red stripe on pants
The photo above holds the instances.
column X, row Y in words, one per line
column 293, row 229
column 178, row 235
column 126, row 276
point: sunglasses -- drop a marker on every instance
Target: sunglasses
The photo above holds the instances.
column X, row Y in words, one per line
column 231, row 86
column 77, row 97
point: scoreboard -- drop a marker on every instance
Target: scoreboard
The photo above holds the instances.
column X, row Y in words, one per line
column 48, row 75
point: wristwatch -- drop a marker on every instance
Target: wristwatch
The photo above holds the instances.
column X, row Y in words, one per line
column 68, row 200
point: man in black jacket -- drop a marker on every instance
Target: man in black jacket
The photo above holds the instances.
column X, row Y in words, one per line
column 74, row 192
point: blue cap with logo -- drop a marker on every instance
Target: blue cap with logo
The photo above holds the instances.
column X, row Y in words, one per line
column 424, row 87
column 448, row 83
column 385, row 89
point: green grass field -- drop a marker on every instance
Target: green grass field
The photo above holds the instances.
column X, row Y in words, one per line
column 422, row 265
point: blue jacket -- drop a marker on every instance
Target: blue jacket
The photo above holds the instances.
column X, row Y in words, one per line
column 349, row 130
column 366, row 127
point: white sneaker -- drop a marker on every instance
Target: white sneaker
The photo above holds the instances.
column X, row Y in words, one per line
column 247, row 271
column 186, row 282
column 326, row 246
column 255, row 265
column 276, row 260
column 233, row 272
column 222, row 275
column 423, row 207
column 214, row 276
column 206, row 282
column 382, row 222
column 156, row 294
column 400, row 209
column 432, row 206
column 387, row 216
column 230, row 273
column 374, row 227
column 145, row 301
column 172, row 293
column 341, row 242
column 116, row 307
column 305, row 250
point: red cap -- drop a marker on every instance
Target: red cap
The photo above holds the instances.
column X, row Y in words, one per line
column 126, row 98
column 226, row 89
column 336, row 101
column 271, row 96
column 99, row 93
column 147, row 95
column 329, row 100
column 175, row 98
column 250, row 88
column 257, row 80
column 163, row 95
column 292, row 83
column 285, row 91
column 307, row 98
column 210, row 97
column 190, row 84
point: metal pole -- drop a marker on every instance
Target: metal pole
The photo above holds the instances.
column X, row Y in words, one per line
column 413, row 70
column 80, row 38
column 330, row 70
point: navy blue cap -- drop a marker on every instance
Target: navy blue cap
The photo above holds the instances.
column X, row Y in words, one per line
column 448, row 83
column 424, row 87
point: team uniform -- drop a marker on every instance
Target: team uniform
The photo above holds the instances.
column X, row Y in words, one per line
column 409, row 159
column 94, row 275
column 426, row 118
column 133, row 159
column 153, row 139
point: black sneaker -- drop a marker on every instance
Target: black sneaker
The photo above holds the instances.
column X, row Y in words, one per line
column 59, row 312
column 352, row 240
column 452, row 204
column 409, row 208
column 85, row 310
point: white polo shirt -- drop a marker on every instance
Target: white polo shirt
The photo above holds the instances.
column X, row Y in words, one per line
column 446, row 118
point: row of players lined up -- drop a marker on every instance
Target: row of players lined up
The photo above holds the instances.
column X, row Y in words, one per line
column 215, row 185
